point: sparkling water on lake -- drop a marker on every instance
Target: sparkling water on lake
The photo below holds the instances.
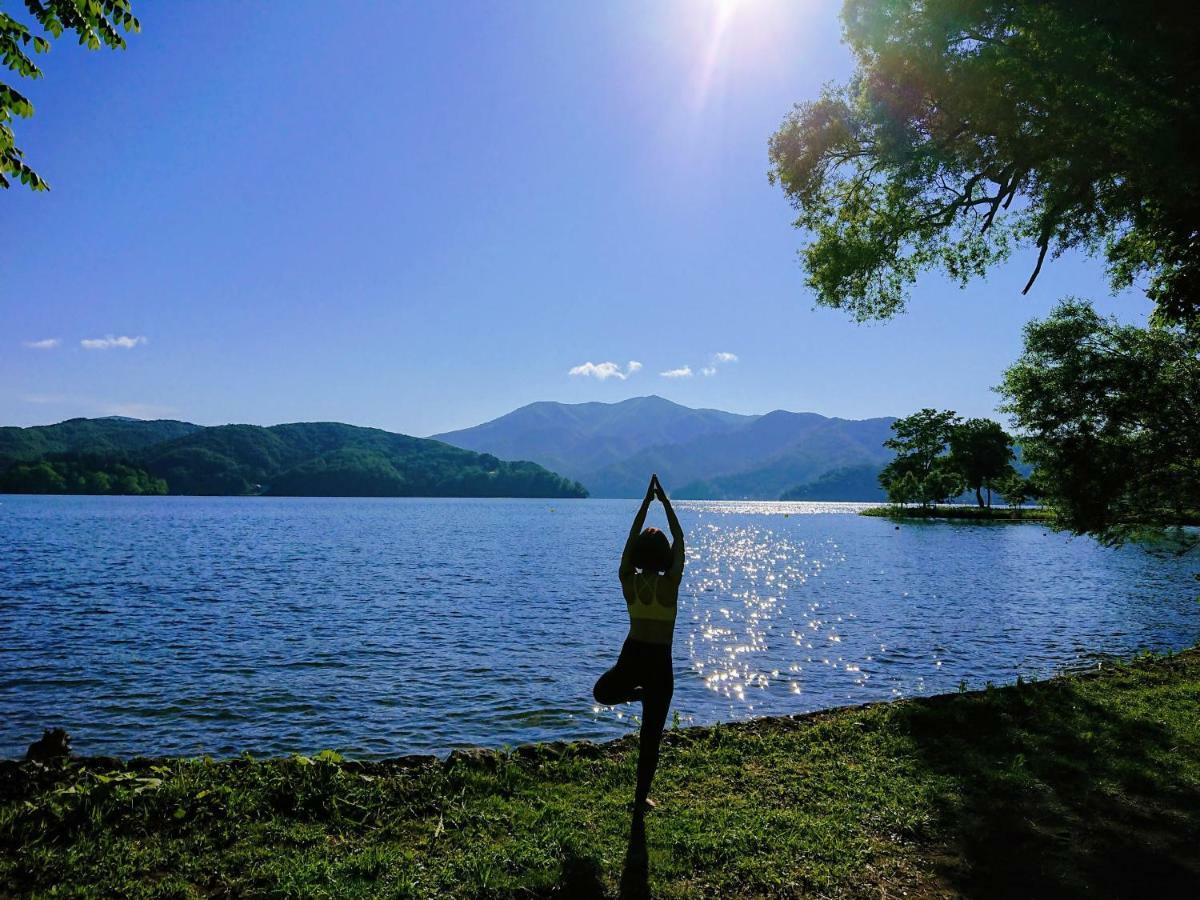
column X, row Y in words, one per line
column 174, row 625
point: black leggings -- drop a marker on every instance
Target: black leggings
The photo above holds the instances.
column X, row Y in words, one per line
column 643, row 672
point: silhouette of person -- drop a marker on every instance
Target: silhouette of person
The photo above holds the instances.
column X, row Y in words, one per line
column 650, row 573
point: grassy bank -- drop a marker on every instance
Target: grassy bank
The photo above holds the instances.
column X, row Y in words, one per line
column 1088, row 784
column 973, row 513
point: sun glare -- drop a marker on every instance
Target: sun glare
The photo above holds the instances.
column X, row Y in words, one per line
column 739, row 35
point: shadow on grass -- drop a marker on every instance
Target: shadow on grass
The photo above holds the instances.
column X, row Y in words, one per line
column 580, row 877
column 1048, row 793
column 635, row 878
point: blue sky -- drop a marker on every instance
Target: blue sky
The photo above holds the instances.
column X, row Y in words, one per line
column 421, row 216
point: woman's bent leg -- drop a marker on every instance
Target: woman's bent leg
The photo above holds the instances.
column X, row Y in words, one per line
column 615, row 686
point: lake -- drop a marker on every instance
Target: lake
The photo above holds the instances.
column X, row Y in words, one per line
column 178, row 625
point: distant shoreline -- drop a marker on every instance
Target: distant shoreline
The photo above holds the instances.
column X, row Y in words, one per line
column 962, row 511
column 1033, row 514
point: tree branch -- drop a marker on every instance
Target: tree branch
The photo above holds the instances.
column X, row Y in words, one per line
column 1045, row 245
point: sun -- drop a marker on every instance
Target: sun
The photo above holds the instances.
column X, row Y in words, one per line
column 723, row 12
column 726, row 9
column 743, row 37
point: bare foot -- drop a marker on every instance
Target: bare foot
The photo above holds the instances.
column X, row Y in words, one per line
column 643, row 806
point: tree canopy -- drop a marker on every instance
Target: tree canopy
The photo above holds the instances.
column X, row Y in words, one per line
column 972, row 127
column 1109, row 415
column 78, row 474
column 1015, row 488
column 939, row 455
column 982, row 452
column 97, row 23
column 921, row 472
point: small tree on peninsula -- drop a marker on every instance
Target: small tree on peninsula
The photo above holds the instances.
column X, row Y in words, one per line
column 982, row 452
column 921, row 472
column 1015, row 489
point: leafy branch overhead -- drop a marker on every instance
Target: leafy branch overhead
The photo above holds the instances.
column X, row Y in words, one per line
column 973, row 127
column 97, row 23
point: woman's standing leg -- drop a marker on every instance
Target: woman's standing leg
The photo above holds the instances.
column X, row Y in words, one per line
column 659, row 687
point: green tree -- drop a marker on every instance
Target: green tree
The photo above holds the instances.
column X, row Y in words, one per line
column 904, row 489
column 973, row 126
column 97, row 483
column 920, row 444
column 943, row 483
column 46, row 479
column 1015, row 488
column 95, row 22
column 982, row 452
column 78, row 473
column 1109, row 415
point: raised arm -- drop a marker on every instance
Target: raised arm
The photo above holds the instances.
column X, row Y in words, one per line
column 677, row 548
column 638, row 521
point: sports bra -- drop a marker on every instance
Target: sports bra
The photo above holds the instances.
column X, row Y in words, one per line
column 650, row 620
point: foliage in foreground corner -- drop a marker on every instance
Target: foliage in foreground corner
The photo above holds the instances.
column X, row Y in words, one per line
column 97, row 23
column 971, row 127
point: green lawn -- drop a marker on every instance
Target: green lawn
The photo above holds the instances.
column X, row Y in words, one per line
column 1082, row 785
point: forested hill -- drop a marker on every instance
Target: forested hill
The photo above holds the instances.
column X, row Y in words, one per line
column 110, row 435
column 304, row 459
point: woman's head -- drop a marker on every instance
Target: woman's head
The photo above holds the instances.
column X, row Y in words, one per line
column 652, row 551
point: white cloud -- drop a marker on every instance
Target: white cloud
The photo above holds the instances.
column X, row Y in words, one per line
column 601, row 371
column 606, row 370
column 718, row 359
column 47, row 344
column 108, row 342
column 681, row 372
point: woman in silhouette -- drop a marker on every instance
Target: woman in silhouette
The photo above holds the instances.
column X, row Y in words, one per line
column 651, row 569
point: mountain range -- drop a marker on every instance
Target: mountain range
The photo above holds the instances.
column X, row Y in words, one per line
column 564, row 450
column 698, row 453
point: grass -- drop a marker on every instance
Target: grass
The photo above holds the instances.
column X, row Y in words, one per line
column 962, row 511
column 1079, row 785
